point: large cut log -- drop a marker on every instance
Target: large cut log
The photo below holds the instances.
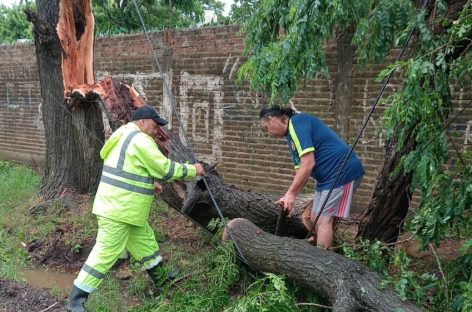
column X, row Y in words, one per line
column 347, row 284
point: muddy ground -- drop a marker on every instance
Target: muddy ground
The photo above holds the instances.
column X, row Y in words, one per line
column 15, row 297
column 54, row 253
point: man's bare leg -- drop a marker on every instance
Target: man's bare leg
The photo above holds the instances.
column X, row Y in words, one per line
column 307, row 222
column 306, row 219
column 324, row 231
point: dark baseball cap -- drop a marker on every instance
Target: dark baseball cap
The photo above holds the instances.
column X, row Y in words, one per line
column 148, row 112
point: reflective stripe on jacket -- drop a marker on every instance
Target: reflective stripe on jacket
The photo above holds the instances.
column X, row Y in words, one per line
column 132, row 161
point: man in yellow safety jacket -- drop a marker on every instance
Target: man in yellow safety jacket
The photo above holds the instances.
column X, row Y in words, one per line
column 132, row 161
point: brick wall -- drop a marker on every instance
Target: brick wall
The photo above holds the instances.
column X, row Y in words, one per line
column 220, row 116
column 21, row 126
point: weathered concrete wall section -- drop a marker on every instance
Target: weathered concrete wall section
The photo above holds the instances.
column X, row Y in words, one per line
column 220, row 116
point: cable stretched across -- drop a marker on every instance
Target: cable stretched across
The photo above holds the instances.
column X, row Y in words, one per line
column 189, row 145
column 379, row 96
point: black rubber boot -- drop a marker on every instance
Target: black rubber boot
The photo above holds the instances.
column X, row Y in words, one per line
column 77, row 300
column 160, row 275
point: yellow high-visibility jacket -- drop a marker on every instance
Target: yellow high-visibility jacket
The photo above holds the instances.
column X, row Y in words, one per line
column 132, row 161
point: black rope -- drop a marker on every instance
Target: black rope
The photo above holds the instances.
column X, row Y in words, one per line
column 194, row 159
column 446, row 126
column 379, row 96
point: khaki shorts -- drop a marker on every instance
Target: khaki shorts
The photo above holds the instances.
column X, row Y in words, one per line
column 339, row 202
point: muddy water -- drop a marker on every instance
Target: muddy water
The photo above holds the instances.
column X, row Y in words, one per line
column 62, row 284
column 49, row 279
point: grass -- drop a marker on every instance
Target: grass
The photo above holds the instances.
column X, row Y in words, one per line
column 212, row 279
column 19, row 186
column 108, row 298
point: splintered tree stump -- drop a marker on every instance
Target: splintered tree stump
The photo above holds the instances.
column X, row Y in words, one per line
column 347, row 284
column 63, row 33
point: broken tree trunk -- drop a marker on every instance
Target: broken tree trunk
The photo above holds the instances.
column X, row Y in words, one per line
column 63, row 33
column 347, row 284
column 118, row 101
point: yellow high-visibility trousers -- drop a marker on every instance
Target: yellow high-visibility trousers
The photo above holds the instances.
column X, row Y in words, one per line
column 112, row 238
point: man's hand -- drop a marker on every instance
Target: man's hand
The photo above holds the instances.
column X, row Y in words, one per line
column 200, row 169
column 158, row 187
column 288, row 202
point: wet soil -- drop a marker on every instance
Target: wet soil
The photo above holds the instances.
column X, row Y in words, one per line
column 53, row 251
column 57, row 265
column 16, row 297
column 57, row 255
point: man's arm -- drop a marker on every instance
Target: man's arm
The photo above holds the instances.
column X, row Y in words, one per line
column 307, row 163
column 162, row 168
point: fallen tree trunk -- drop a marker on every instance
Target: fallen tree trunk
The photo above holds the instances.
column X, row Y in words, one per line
column 118, row 101
column 232, row 201
column 347, row 284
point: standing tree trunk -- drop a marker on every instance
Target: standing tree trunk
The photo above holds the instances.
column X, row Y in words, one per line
column 73, row 137
column 391, row 198
column 390, row 201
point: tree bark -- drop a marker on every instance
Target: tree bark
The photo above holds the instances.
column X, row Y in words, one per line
column 233, row 202
column 391, row 198
column 347, row 284
column 73, row 137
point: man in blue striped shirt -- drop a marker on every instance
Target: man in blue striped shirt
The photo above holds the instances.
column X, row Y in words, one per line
column 318, row 152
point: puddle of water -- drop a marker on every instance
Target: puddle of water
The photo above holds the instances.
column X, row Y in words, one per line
column 62, row 283
column 50, row 279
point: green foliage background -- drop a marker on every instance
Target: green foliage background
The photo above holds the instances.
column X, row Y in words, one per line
column 119, row 16
column 115, row 17
column 13, row 23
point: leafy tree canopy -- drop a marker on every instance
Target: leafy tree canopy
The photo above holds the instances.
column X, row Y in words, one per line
column 118, row 16
column 13, row 23
column 241, row 10
column 286, row 37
